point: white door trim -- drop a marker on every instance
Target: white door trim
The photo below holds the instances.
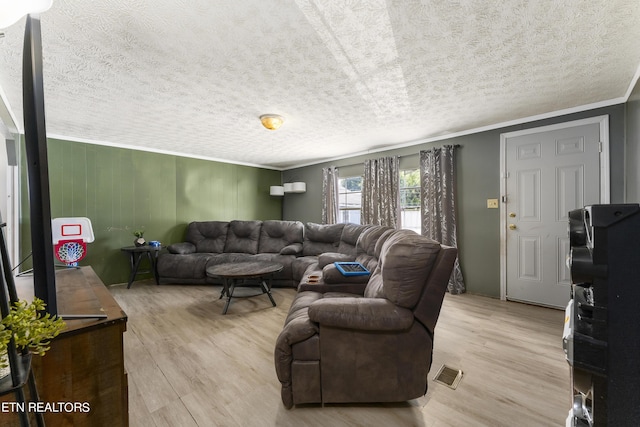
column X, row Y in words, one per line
column 605, row 190
column 13, row 216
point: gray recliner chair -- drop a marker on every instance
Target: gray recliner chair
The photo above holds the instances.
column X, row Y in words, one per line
column 374, row 347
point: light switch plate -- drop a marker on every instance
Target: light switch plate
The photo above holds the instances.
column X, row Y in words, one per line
column 492, row 204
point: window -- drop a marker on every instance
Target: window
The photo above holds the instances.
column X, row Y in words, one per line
column 410, row 200
column 349, row 199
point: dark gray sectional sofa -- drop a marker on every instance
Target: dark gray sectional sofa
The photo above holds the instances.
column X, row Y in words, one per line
column 296, row 246
column 345, row 338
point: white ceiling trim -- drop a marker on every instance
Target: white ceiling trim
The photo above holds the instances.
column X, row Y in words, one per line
column 530, row 119
column 524, row 120
column 632, row 85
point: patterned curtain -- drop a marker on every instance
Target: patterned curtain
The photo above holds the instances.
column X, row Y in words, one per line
column 381, row 192
column 438, row 195
column 330, row 195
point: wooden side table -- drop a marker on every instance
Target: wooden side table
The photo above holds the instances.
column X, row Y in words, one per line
column 136, row 253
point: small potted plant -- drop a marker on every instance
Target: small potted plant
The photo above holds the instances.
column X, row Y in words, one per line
column 139, row 233
column 32, row 329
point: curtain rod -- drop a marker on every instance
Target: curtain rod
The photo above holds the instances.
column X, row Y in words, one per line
column 400, row 157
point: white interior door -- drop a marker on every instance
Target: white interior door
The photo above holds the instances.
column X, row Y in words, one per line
column 546, row 173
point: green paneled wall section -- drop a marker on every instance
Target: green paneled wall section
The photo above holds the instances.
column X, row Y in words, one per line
column 121, row 189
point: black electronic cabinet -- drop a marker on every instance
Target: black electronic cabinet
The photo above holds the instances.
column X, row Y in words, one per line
column 602, row 326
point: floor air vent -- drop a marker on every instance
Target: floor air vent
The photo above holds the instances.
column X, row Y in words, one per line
column 448, row 376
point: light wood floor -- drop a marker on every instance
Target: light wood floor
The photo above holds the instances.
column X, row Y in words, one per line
column 189, row 365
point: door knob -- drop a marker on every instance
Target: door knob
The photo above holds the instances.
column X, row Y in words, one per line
column 512, row 214
column 512, row 227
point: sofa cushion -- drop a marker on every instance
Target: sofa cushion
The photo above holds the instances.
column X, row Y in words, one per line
column 190, row 266
column 320, row 238
column 243, row 237
column 349, row 238
column 365, row 248
column 285, row 260
column 367, row 240
column 405, row 262
column 208, row 236
column 277, row 235
column 301, row 264
column 230, row 257
column 377, row 251
column 374, row 287
column 373, row 242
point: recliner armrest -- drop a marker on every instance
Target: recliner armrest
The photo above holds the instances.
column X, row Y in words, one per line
column 182, row 248
column 371, row 314
column 328, row 258
column 349, row 288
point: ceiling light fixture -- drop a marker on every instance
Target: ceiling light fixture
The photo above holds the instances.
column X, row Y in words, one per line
column 271, row 121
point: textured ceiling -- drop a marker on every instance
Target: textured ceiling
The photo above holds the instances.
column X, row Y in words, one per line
column 192, row 76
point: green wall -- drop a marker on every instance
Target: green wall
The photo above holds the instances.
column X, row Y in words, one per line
column 121, row 189
column 478, row 162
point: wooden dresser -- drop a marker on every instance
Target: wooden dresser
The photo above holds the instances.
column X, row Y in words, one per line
column 85, row 365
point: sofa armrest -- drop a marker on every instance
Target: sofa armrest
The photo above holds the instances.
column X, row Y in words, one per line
column 371, row 314
column 295, row 330
column 331, row 274
column 328, row 258
column 182, row 248
column 292, row 249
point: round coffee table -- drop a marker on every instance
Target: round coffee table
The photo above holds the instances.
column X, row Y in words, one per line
column 232, row 273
